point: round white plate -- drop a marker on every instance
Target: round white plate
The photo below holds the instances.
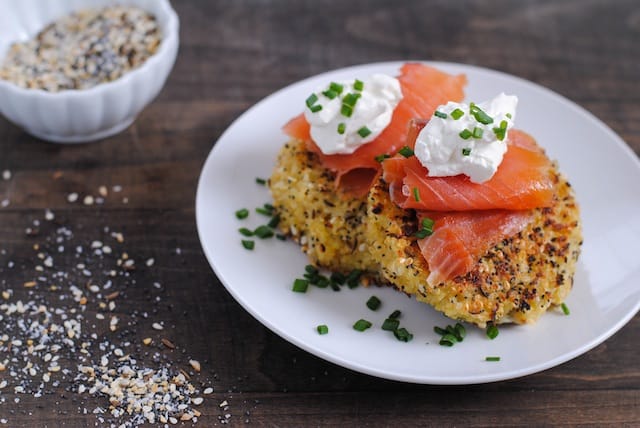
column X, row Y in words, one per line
column 602, row 169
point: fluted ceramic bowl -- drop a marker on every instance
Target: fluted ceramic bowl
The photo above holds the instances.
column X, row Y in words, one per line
column 76, row 116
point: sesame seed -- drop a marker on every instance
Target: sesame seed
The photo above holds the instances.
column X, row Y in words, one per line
column 157, row 326
column 195, row 364
column 72, row 197
column 6, row 175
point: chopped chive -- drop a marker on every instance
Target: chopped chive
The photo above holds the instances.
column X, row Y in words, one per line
column 265, row 210
column 492, row 332
column 480, row 115
column 382, row 157
column 466, row 151
column 447, row 340
column 245, row 231
column 416, row 194
column 350, row 99
column 336, row 87
column 501, row 132
column 281, row 237
column 341, row 128
column 427, row 223
column 422, row 233
column 300, row 285
column 361, row 325
column 274, row 221
column 477, row 132
column 330, row 94
column 322, row 329
column 441, row 331
column 353, row 278
column 316, row 108
column 509, row 115
column 358, row 85
column 492, row 359
column 364, row 132
column 373, row 303
column 334, row 286
column 263, row 232
column 390, row 324
column 440, row 114
column 242, row 213
column 321, row 281
column 465, row 134
column 406, row 151
column 311, row 269
column 450, row 338
column 311, row 100
column 565, row 308
column 248, row 244
column 402, row 334
column 337, row 278
column 346, row 111
column 462, row 332
column 261, row 181
column 457, row 114
column 395, row 314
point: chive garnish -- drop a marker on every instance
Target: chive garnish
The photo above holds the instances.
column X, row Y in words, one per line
column 246, row 232
column 266, row 209
column 373, row 303
column 402, row 334
column 263, row 232
column 337, row 278
column 509, row 115
column 311, row 100
column 330, row 94
column 426, row 229
column 466, row 151
column 492, row 359
column 350, row 99
column 492, row 332
column 416, row 194
column 242, row 213
column 261, row 181
column 358, row 85
column 390, row 324
column 346, row 111
column 457, row 114
column 395, row 314
column 281, row 237
column 462, row 332
column 406, row 151
column 465, row 134
column 311, row 269
column 300, row 285
column 361, row 325
column 316, row 108
column 477, row 132
column 448, row 340
column 501, row 132
column 441, row 331
column 480, row 115
column 341, row 128
column 565, row 308
column 322, row 329
column 336, row 87
column 364, row 132
column 273, row 223
column 248, row 244
column 382, row 157
column 353, row 278
column 440, row 114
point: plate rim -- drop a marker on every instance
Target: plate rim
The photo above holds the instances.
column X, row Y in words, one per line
column 361, row 368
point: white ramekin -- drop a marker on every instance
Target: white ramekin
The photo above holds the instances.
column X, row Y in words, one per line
column 77, row 116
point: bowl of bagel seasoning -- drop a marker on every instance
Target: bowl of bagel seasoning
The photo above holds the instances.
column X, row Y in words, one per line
column 79, row 71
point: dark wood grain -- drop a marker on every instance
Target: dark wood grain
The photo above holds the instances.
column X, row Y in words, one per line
column 232, row 54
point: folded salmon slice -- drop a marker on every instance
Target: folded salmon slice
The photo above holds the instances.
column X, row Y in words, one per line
column 523, row 181
column 423, row 88
column 459, row 239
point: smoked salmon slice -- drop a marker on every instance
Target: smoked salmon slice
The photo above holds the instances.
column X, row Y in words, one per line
column 523, row 181
column 423, row 88
column 459, row 239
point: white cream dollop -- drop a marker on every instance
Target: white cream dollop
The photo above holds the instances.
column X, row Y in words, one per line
column 444, row 152
column 334, row 132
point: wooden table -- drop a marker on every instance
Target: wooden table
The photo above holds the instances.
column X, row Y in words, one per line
column 232, row 54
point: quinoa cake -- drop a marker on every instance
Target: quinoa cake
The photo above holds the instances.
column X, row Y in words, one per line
column 514, row 282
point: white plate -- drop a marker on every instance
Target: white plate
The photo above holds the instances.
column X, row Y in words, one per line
column 602, row 169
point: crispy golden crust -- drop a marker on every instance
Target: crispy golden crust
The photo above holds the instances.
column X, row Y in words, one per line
column 516, row 281
column 329, row 228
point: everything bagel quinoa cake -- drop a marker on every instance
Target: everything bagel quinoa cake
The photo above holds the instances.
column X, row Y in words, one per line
column 514, row 279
